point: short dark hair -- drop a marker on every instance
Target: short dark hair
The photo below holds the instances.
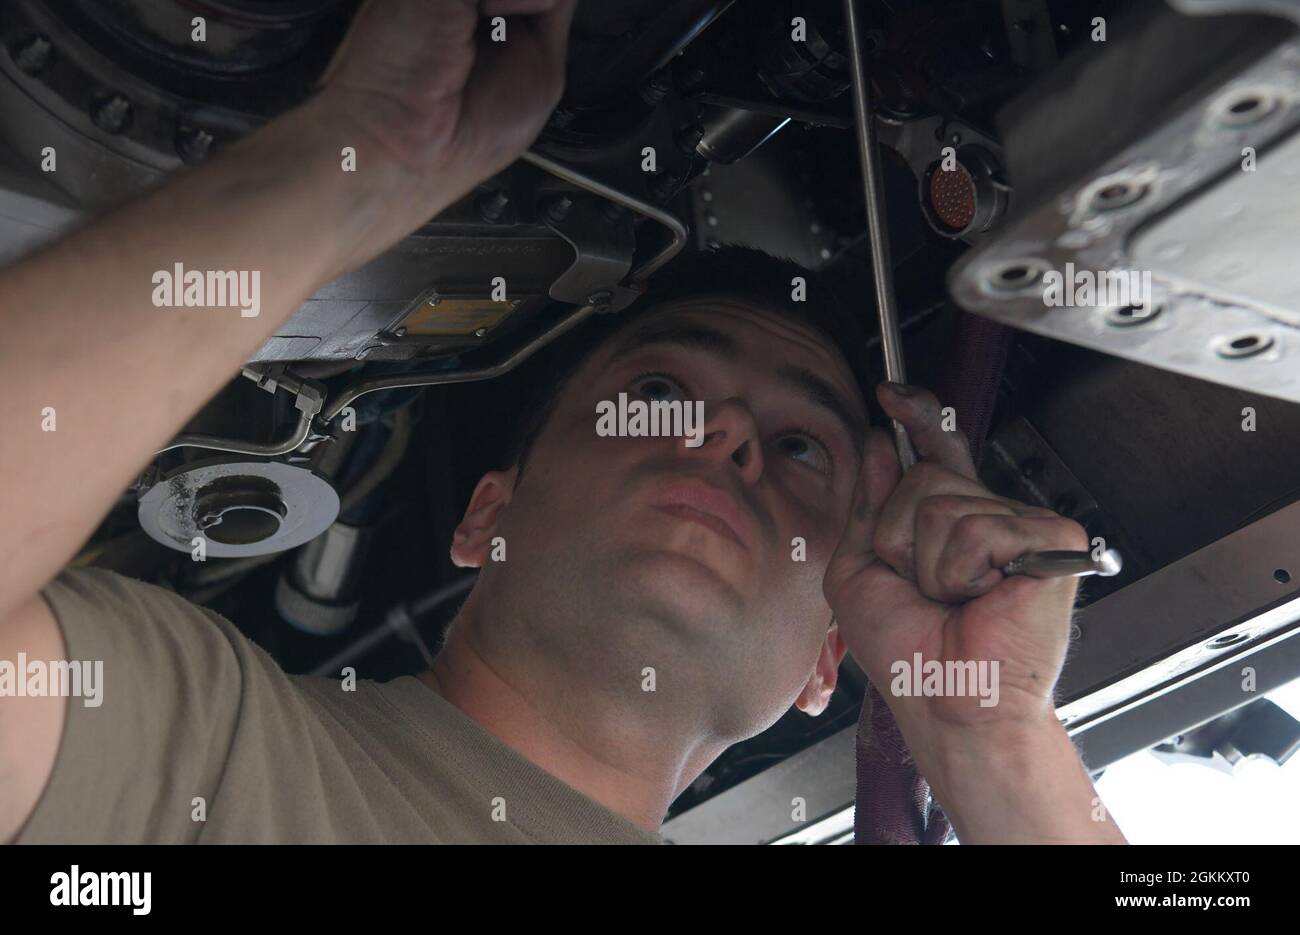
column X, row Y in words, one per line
column 741, row 272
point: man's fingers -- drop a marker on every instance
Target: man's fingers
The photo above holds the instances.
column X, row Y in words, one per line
column 977, row 545
column 921, row 414
column 895, row 532
column 876, row 480
column 936, row 519
column 883, row 473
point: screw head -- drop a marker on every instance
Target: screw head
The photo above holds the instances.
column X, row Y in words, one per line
column 480, row 332
column 111, row 112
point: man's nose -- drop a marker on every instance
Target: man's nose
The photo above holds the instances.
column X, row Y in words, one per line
column 730, row 434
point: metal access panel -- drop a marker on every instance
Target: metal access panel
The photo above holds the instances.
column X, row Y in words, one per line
column 1189, row 192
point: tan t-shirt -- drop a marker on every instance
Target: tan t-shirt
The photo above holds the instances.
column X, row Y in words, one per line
column 191, row 709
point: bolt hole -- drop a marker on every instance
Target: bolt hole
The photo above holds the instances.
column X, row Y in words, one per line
column 1015, row 276
column 1128, row 315
column 1117, row 195
column 1282, row 576
column 1246, row 108
column 1229, row 639
column 1245, row 345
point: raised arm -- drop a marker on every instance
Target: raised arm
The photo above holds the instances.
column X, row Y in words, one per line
column 429, row 110
column 429, row 115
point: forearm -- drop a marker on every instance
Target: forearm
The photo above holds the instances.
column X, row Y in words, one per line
column 122, row 375
column 1015, row 786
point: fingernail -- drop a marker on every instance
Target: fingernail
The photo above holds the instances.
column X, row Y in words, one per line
column 900, row 389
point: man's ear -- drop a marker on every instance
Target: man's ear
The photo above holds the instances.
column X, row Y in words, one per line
column 817, row 693
column 472, row 540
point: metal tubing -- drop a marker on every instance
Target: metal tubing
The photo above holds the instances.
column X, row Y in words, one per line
column 440, row 377
column 891, row 341
column 586, row 182
column 235, row 446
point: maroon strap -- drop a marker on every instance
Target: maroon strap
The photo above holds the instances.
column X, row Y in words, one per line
column 973, row 364
column 893, row 801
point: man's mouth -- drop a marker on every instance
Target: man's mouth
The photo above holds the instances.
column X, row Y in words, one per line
column 709, row 506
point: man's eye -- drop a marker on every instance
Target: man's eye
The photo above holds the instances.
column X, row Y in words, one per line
column 658, row 387
column 804, row 447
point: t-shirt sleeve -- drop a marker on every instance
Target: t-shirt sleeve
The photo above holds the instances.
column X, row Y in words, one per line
column 150, row 736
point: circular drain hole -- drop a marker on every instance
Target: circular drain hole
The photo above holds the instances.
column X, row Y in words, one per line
column 1245, row 345
column 1282, row 576
column 1015, row 276
column 1126, row 316
column 239, row 510
column 1229, row 639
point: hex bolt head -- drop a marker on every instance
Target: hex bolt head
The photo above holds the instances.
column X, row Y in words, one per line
column 492, row 206
column 193, row 144
column 111, row 112
column 600, row 300
column 32, row 54
column 558, row 208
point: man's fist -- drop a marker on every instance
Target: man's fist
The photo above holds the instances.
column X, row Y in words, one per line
column 917, row 570
column 431, row 84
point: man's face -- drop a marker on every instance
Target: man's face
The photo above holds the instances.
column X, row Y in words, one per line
column 704, row 563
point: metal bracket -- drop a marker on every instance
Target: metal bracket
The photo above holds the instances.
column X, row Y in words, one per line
column 603, row 248
column 1259, row 729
